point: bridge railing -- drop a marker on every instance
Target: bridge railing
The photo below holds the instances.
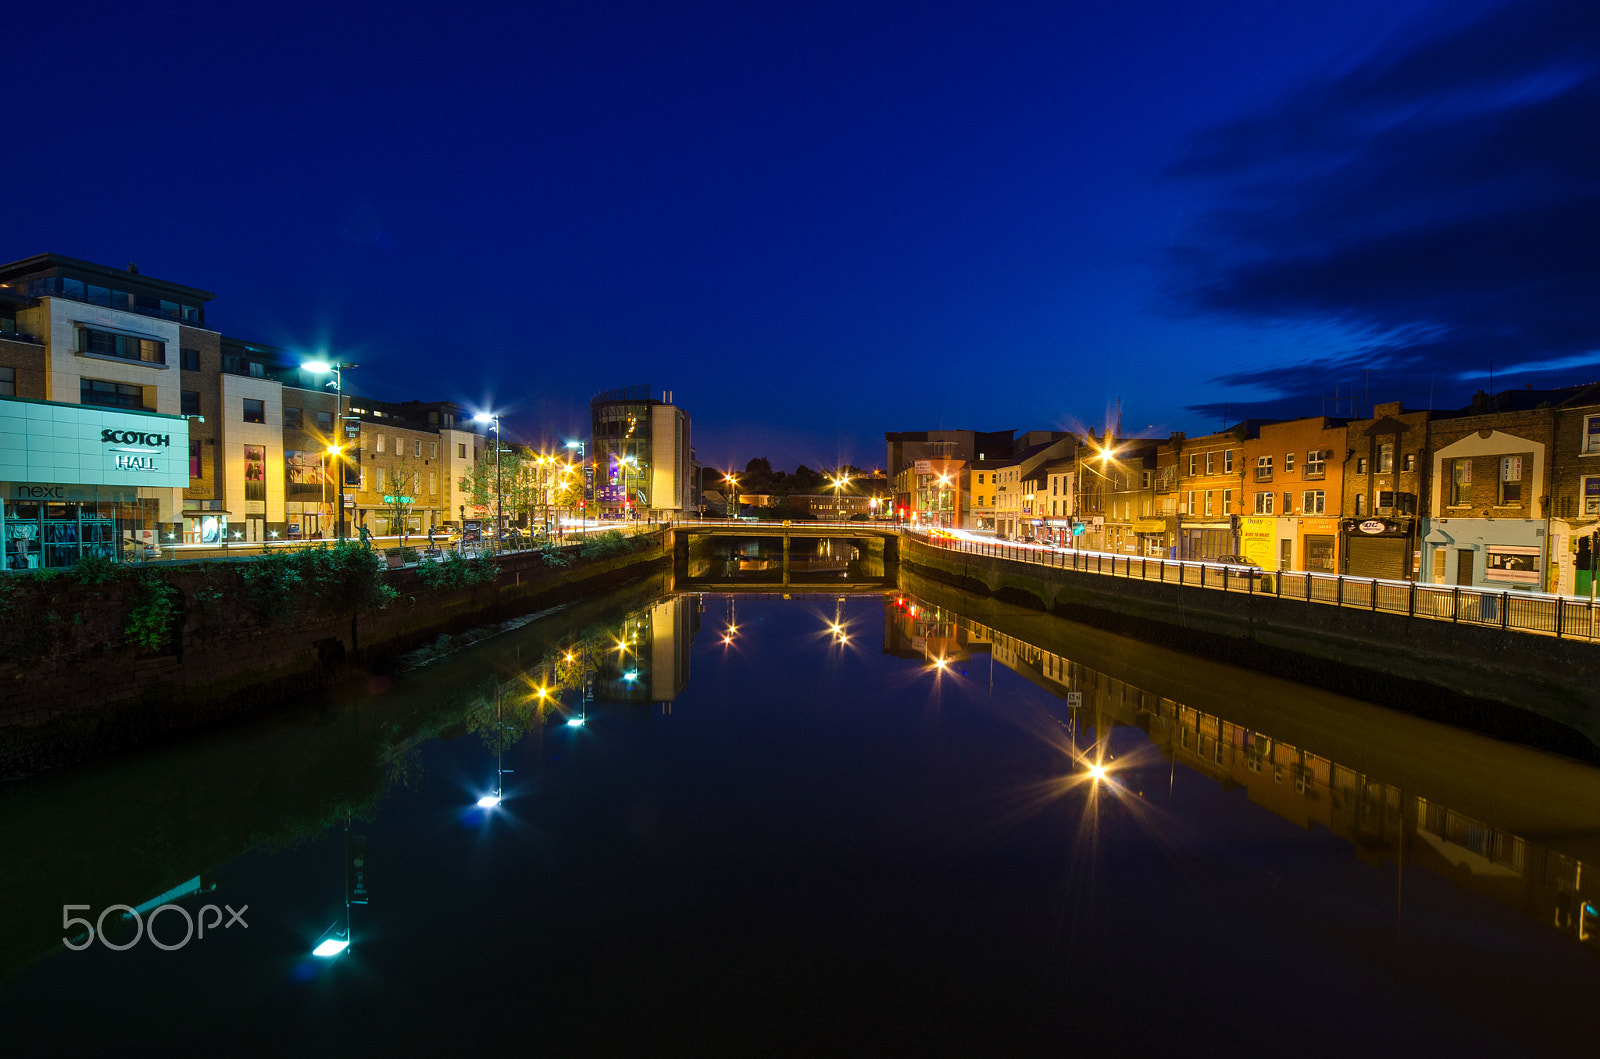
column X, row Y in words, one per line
column 1534, row 613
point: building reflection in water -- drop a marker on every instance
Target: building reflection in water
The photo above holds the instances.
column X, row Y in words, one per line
column 1379, row 818
column 719, row 560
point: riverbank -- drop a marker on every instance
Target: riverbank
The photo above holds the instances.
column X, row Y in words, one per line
column 91, row 668
column 1534, row 690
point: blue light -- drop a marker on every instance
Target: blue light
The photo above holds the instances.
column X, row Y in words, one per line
column 576, row 722
column 331, row 947
column 632, row 674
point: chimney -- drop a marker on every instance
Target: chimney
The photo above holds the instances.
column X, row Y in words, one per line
column 133, row 266
column 1480, row 402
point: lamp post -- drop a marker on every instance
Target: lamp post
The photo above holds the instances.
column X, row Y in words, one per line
column 493, row 418
column 583, row 505
column 839, row 482
column 733, row 494
column 323, row 367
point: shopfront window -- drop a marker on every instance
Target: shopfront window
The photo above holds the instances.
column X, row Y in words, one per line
column 1591, row 495
column 255, row 472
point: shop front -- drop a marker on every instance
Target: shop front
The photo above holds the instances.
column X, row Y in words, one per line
column 1495, row 553
column 1317, row 545
column 1377, row 547
column 78, row 480
column 1258, row 540
column 1205, row 540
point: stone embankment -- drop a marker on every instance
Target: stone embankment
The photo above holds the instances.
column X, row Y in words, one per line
column 72, row 685
column 1534, row 689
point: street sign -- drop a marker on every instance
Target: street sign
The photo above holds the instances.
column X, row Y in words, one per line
column 1074, row 699
column 355, row 868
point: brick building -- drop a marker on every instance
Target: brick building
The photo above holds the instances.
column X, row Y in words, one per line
column 1291, row 510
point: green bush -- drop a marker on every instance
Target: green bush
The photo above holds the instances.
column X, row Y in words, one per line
column 457, row 571
column 153, row 607
column 91, row 569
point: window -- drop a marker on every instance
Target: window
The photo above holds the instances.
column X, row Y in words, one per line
column 1189, row 507
column 1263, row 503
column 1210, row 495
column 1314, row 464
column 190, row 402
column 1409, row 461
column 292, row 418
column 433, row 452
column 1145, row 478
column 430, row 483
column 1510, row 480
column 1591, row 496
column 190, row 359
column 325, row 422
column 258, row 370
column 1227, row 462
column 302, row 475
column 1288, row 462
column 378, row 443
column 255, row 472
column 1211, row 463
column 1312, row 502
column 1227, row 501
column 1460, row 483
column 1361, row 505
column 980, row 477
column 1263, row 468
column 461, row 451
column 124, row 347
column 1361, row 465
column 254, row 411
column 416, row 450
column 110, row 394
column 1194, row 462
column 8, row 382
column 1591, row 434
column 1288, row 503
column 194, row 459
column 1386, row 457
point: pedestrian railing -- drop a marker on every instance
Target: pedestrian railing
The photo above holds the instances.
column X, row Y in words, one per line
column 1514, row 611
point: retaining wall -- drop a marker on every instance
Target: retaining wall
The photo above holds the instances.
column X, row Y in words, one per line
column 1435, row 668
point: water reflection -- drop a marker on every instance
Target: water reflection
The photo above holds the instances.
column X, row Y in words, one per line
column 1386, row 818
column 798, row 561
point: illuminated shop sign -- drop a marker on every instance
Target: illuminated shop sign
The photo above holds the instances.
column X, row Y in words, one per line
column 58, row 444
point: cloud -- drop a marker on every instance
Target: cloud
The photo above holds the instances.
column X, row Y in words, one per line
column 1436, row 206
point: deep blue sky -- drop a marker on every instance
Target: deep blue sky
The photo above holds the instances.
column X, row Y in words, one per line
column 816, row 222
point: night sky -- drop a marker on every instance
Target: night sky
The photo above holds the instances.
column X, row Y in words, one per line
column 817, row 222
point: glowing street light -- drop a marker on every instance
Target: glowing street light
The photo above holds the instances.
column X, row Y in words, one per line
column 336, row 367
column 733, row 495
column 493, row 418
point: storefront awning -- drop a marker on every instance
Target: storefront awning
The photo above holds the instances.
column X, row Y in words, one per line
column 1150, row 525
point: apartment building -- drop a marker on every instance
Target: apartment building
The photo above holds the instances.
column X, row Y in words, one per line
column 642, row 456
column 1210, row 488
column 1291, row 517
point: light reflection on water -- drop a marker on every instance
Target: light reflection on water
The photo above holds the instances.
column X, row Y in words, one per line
column 862, row 821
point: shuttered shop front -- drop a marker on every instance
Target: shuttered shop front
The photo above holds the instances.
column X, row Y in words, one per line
column 1376, row 556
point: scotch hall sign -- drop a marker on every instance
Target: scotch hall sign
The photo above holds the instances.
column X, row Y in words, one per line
column 51, row 445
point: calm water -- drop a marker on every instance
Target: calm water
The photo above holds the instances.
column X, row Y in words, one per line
column 767, row 835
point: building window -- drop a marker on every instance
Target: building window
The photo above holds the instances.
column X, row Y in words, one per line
column 1288, row 462
column 1210, row 495
column 258, row 370
column 1460, row 483
column 1510, row 480
column 190, row 359
column 1263, row 503
column 189, row 402
column 378, row 443
column 1361, row 505
column 416, row 450
column 1312, row 502
column 1227, row 501
column 1188, row 508
column 1591, row 496
column 461, row 451
column 1227, row 462
column 1145, row 478
column 255, row 472
column 1263, row 468
column 433, row 450
column 1211, row 463
column 1409, row 461
column 124, row 347
column 1194, row 462
column 1361, row 465
column 430, row 483
column 110, row 394
column 1386, row 457
column 292, row 418
column 8, row 382
column 194, row 459
column 1591, row 433
column 1288, row 503
column 1314, row 464
column 255, row 411
column 325, row 422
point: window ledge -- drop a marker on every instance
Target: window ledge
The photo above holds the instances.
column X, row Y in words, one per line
column 85, row 354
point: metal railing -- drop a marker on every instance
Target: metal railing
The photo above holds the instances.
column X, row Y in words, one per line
column 1538, row 613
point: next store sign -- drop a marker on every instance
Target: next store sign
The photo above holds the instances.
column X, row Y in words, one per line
column 41, row 441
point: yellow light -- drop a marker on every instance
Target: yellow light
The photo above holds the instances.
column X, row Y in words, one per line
column 1097, row 772
column 333, row 450
column 939, row 663
column 569, row 656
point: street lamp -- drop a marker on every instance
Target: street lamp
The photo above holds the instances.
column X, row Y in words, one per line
column 732, row 505
column 839, row 482
column 499, row 497
column 584, row 504
column 323, row 367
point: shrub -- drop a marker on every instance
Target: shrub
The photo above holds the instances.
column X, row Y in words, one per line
column 151, row 612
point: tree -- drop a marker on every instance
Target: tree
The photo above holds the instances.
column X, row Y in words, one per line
column 399, row 494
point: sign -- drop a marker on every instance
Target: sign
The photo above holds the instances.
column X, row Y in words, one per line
column 1257, row 540
column 924, row 467
column 390, row 499
column 1371, row 525
column 1516, row 565
column 355, row 868
column 58, row 493
column 1074, row 699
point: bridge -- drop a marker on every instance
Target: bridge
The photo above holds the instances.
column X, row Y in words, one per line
column 829, row 554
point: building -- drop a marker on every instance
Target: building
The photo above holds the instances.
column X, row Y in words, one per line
column 1488, row 482
column 1385, row 479
column 641, row 455
column 1575, row 491
column 1116, row 483
column 1021, row 482
column 1211, row 481
column 974, row 451
column 1291, row 515
column 95, row 451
